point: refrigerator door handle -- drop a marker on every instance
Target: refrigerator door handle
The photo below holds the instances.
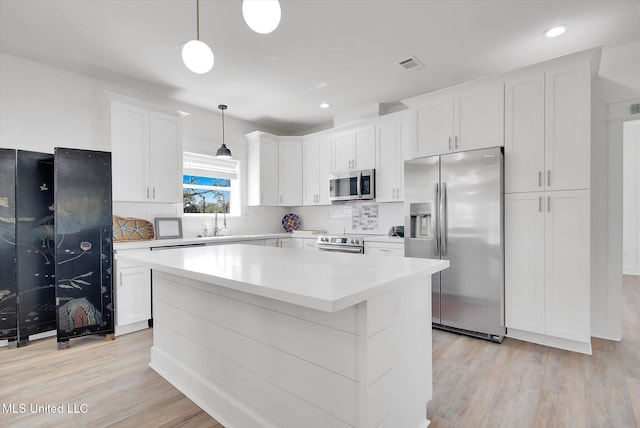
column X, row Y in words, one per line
column 443, row 219
column 437, row 220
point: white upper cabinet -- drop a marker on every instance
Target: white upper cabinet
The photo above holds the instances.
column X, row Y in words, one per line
column 478, row 117
column 165, row 158
column 524, row 133
column 290, row 172
column 146, row 150
column 547, row 136
column 274, row 170
column 466, row 118
column 567, row 127
column 392, row 135
column 434, row 126
column 353, row 149
column 316, row 168
column 262, row 173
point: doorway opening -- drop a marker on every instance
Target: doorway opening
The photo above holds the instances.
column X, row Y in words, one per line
column 631, row 197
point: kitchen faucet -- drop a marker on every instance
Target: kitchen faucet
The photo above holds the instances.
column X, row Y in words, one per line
column 216, row 229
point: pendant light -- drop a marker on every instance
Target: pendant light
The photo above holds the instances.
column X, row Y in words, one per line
column 262, row 16
column 223, row 152
column 196, row 55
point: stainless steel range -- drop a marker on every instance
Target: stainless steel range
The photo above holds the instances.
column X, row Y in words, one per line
column 342, row 243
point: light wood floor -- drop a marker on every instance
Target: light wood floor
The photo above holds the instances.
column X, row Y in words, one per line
column 476, row 383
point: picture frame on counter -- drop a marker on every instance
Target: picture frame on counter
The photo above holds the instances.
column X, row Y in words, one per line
column 168, row 227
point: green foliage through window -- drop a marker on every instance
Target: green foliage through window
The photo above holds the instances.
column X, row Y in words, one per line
column 205, row 195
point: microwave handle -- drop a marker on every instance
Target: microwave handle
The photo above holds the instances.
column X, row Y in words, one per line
column 359, row 185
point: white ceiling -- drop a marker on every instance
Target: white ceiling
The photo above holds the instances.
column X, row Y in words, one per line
column 344, row 52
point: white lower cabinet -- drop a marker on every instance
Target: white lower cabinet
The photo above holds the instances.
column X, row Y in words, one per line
column 310, row 244
column 254, row 242
column 301, row 243
column 386, row 248
column 547, row 267
column 133, row 298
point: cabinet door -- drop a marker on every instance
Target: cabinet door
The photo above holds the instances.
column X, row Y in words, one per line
column 311, row 172
column 567, row 133
column 129, row 152
column 434, row 127
column 389, row 159
column 567, row 286
column 324, row 167
column 389, row 249
column 290, row 173
column 524, row 261
column 343, row 149
column 524, row 134
column 479, row 117
column 269, row 181
column 165, row 159
column 274, row 242
column 365, row 148
column 296, row 243
column 133, row 295
column 258, row 242
column 310, row 244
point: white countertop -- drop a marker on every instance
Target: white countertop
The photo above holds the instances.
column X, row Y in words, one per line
column 319, row 280
column 155, row 243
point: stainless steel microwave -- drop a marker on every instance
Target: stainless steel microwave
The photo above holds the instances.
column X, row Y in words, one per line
column 352, row 185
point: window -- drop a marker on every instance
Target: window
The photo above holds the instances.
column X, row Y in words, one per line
column 209, row 185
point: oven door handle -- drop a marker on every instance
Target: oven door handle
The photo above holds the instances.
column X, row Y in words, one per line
column 340, row 249
column 359, row 185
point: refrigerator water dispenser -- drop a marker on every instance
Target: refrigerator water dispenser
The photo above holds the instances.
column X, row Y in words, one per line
column 420, row 222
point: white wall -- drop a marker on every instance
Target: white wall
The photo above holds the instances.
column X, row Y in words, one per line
column 617, row 81
column 44, row 107
column 631, row 198
column 337, row 219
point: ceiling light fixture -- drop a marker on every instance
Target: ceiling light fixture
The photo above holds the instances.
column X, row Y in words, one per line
column 325, row 105
column 196, row 55
column 223, row 152
column 262, row 16
column 555, row 31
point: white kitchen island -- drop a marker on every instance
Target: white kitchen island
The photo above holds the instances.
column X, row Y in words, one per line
column 278, row 337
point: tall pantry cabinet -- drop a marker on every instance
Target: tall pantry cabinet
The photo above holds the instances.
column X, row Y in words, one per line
column 547, row 203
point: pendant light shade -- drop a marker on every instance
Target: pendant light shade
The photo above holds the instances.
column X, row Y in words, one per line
column 196, row 55
column 262, row 16
column 223, row 152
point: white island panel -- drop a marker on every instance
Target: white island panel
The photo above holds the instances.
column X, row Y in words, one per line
column 262, row 359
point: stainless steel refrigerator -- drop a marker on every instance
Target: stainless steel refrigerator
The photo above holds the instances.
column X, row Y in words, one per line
column 454, row 211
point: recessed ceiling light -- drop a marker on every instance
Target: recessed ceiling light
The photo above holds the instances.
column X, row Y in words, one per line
column 555, row 31
column 325, row 105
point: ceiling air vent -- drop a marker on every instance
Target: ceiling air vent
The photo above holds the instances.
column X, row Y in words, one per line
column 411, row 63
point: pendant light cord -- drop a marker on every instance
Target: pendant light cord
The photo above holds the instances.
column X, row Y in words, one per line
column 198, row 19
column 222, row 126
